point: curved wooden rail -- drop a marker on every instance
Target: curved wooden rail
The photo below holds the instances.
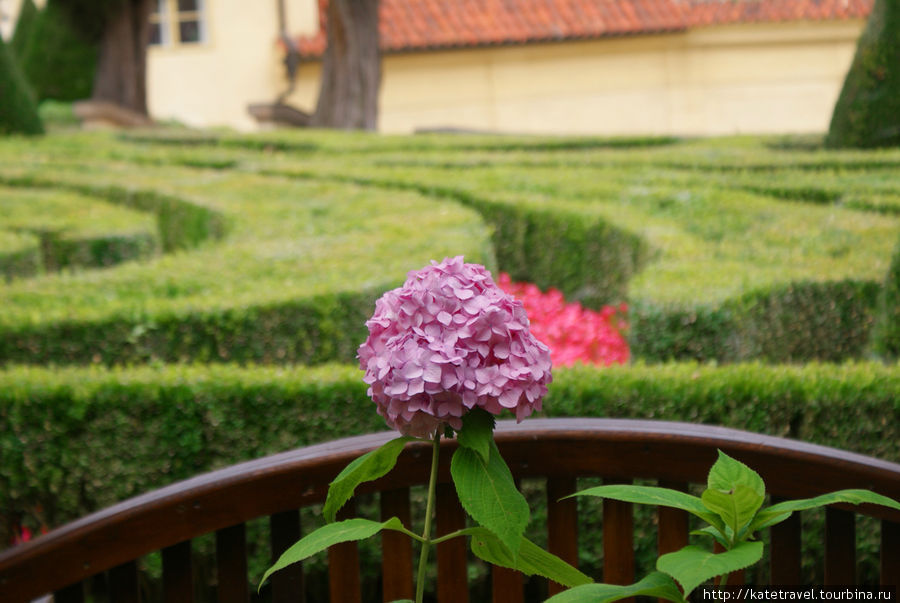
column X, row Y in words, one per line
column 557, row 449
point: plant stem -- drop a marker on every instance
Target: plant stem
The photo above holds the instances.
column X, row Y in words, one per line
column 429, row 511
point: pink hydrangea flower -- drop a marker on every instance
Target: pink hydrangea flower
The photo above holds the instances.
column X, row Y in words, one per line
column 447, row 341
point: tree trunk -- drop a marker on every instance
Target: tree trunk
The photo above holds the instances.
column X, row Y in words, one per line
column 121, row 69
column 351, row 67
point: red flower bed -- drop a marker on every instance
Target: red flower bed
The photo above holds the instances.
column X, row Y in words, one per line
column 573, row 333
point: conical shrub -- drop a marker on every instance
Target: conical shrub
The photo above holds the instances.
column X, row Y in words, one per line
column 28, row 14
column 18, row 111
column 867, row 113
column 59, row 60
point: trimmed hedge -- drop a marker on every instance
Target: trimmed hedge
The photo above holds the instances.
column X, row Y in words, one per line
column 886, row 338
column 18, row 111
column 78, row 231
column 20, row 255
column 182, row 223
column 74, row 440
column 867, row 113
column 715, row 244
column 558, row 229
column 827, row 321
column 310, row 330
column 293, row 280
column 586, row 257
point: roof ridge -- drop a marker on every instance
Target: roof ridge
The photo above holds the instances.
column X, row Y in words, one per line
column 406, row 25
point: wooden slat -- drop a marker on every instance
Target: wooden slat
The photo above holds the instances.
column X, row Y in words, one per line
column 618, row 541
column 673, row 523
column 452, row 582
column 178, row 584
column 70, row 594
column 890, row 553
column 396, row 548
column 506, row 585
column 343, row 565
column 786, row 550
column 840, row 547
column 284, row 531
column 231, row 565
column 562, row 524
column 123, row 583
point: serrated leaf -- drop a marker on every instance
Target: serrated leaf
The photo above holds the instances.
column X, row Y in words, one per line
column 488, row 493
column 736, row 508
column 693, row 565
column 477, row 432
column 781, row 511
column 727, row 473
column 654, row 495
column 531, row 559
column 328, row 535
column 657, row 585
column 368, row 467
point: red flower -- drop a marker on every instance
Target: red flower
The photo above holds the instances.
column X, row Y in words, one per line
column 573, row 333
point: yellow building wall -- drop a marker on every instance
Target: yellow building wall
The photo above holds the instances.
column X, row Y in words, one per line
column 759, row 78
column 213, row 82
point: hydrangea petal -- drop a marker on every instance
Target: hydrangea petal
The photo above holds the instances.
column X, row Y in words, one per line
column 447, row 341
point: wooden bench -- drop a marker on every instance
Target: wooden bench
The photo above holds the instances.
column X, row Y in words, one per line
column 559, row 450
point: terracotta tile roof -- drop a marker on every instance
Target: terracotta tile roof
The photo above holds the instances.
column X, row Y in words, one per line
column 430, row 24
column 717, row 12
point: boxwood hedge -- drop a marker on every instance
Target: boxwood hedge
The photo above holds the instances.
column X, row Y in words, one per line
column 725, row 249
column 20, row 254
column 75, row 230
column 886, row 338
column 75, row 439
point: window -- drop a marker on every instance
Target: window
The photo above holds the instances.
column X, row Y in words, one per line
column 175, row 22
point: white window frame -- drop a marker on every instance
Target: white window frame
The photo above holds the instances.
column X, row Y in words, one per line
column 169, row 19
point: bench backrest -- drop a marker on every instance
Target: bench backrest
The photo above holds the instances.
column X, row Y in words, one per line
column 557, row 450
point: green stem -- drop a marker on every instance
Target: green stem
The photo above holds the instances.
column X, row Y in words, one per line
column 429, row 511
column 449, row 536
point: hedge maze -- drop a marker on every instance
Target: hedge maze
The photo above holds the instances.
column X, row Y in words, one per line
column 176, row 301
column 725, row 250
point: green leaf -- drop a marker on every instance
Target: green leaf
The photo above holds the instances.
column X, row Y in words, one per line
column 653, row 495
column 736, row 508
column 735, row 492
column 328, row 535
column 656, row 585
column 488, row 493
column 368, row 467
column 477, row 432
column 781, row 511
column 711, row 531
column 766, row 519
column 727, row 473
column 693, row 565
column 531, row 559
